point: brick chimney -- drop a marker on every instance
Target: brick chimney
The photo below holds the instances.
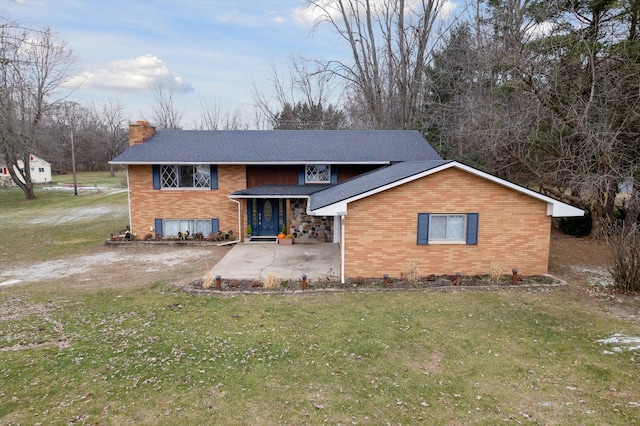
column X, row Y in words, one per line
column 140, row 132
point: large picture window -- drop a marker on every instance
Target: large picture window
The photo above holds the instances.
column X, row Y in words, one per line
column 317, row 173
column 185, row 176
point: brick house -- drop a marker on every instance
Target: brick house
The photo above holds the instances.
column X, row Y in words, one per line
column 386, row 197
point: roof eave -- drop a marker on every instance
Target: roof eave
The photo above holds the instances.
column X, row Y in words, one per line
column 251, row 163
column 555, row 208
column 238, row 197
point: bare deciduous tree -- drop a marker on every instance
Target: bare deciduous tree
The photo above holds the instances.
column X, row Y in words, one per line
column 213, row 117
column 391, row 43
column 112, row 119
column 554, row 109
column 166, row 114
column 300, row 100
column 33, row 67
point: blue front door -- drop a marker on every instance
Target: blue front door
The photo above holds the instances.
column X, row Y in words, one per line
column 266, row 217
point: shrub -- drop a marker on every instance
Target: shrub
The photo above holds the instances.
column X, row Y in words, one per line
column 623, row 243
column 358, row 281
column 495, row 272
column 208, row 281
column 271, row 282
column 413, row 276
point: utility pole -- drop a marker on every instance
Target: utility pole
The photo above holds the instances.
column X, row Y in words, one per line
column 73, row 162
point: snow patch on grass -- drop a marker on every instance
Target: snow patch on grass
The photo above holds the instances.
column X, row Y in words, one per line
column 597, row 276
column 62, row 268
column 621, row 343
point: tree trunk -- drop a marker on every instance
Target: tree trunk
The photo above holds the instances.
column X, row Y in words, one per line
column 597, row 216
column 633, row 207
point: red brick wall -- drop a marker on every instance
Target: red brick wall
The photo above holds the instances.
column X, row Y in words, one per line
column 381, row 230
column 148, row 204
column 140, row 132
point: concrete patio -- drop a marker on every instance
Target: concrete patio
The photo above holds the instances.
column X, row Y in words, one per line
column 286, row 262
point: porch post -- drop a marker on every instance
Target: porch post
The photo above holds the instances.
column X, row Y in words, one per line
column 285, row 214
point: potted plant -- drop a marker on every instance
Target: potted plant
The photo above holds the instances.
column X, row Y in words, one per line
column 249, row 230
column 283, row 233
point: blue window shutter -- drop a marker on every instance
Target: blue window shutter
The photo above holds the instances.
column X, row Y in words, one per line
column 472, row 228
column 215, row 225
column 158, row 225
column 334, row 174
column 156, row 176
column 301, row 173
column 423, row 228
column 213, row 174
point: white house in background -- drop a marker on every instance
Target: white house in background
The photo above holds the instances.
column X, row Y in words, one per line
column 40, row 170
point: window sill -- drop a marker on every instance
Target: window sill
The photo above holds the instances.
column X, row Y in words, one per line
column 186, row 188
column 447, row 242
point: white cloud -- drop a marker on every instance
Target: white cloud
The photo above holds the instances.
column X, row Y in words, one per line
column 447, row 9
column 138, row 74
column 540, row 30
column 329, row 8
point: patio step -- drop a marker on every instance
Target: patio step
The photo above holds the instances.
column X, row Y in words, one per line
column 269, row 239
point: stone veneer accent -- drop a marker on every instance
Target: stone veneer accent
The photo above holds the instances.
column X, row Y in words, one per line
column 304, row 226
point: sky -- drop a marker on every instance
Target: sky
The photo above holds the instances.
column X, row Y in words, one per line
column 213, row 50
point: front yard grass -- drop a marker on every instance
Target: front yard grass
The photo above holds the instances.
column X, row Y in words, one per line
column 57, row 223
column 160, row 356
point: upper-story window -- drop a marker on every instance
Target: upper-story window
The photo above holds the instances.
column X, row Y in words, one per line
column 317, row 173
column 189, row 176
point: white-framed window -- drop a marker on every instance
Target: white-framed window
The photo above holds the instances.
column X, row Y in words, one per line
column 317, row 173
column 40, row 169
column 171, row 227
column 447, row 227
column 185, row 176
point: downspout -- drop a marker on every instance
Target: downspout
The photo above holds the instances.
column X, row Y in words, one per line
column 129, row 199
column 342, row 251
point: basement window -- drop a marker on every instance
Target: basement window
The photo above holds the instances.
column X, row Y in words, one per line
column 173, row 226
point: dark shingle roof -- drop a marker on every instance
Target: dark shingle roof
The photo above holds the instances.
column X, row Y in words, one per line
column 279, row 191
column 370, row 181
column 279, row 147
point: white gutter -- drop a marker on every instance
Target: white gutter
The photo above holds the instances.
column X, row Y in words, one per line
column 249, row 163
column 248, row 197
